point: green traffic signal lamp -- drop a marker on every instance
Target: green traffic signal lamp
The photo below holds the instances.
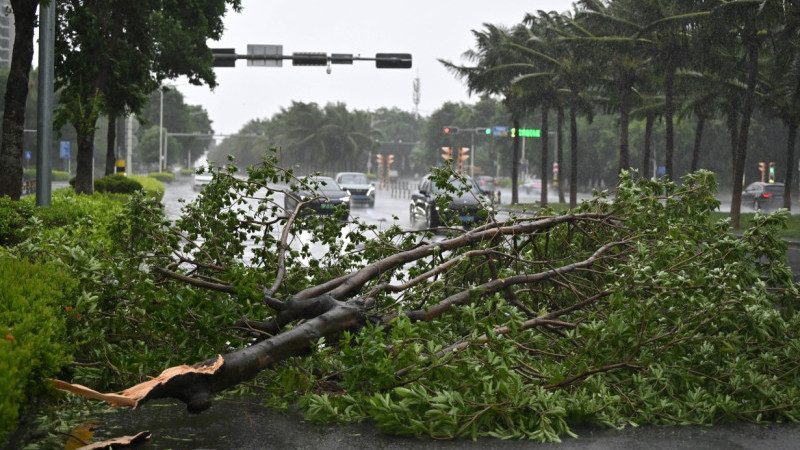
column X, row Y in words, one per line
column 486, row 131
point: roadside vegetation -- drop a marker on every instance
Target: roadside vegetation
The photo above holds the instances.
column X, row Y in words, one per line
column 637, row 309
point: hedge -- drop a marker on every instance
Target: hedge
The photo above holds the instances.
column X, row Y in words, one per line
column 33, row 344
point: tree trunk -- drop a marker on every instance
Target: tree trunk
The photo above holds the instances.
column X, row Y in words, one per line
column 545, row 150
column 741, row 149
column 624, row 119
column 648, row 140
column 560, row 153
column 573, row 158
column 84, row 172
column 698, row 138
column 789, row 182
column 515, row 165
column 11, row 151
column 669, row 112
column 111, row 156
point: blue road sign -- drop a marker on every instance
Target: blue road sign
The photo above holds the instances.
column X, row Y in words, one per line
column 63, row 149
column 500, row 131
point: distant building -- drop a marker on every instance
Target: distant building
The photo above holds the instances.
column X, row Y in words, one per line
column 6, row 34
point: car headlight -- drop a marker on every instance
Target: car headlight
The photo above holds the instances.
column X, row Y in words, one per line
column 371, row 191
column 346, row 199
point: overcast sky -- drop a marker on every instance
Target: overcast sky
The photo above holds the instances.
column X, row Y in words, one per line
column 428, row 29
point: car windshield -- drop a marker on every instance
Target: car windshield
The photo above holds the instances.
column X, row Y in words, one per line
column 326, row 185
column 353, row 178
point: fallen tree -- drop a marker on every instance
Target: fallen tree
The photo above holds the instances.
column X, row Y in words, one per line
column 636, row 309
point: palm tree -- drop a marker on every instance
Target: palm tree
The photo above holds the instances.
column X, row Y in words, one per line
column 571, row 73
column 782, row 89
column 492, row 73
column 750, row 24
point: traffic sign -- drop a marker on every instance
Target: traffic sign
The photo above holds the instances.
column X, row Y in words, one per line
column 63, row 149
column 500, row 131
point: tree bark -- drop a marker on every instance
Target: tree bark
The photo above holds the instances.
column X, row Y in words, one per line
column 84, row 172
column 698, row 139
column 789, row 181
column 545, row 150
column 648, row 140
column 11, row 148
column 573, row 156
column 741, row 150
column 111, row 156
column 560, row 153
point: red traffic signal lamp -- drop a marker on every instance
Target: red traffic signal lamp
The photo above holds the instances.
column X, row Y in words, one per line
column 447, row 153
column 450, row 130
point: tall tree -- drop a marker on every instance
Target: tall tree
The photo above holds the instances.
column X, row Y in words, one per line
column 111, row 55
column 492, row 73
column 747, row 23
column 16, row 95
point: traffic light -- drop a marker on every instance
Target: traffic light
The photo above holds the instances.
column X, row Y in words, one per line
column 393, row 60
column 309, row 59
column 450, row 130
column 380, row 159
column 389, row 160
column 763, row 168
column 486, row 131
column 463, row 155
column 772, row 172
column 448, row 153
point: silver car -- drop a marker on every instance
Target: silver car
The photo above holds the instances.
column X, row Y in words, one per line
column 361, row 190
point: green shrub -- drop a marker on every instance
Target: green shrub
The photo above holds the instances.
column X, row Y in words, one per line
column 186, row 172
column 14, row 215
column 69, row 209
column 60, row 175
column 119, row 184
column 151, row 186
column 56, row 175
column 164, row 177
column 33, row 346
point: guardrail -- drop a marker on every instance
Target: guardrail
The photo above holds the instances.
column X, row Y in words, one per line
column 400, row 189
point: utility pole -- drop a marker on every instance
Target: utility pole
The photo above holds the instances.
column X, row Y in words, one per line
column 44, row 135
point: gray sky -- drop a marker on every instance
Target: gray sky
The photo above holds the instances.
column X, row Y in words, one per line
column 427, row 29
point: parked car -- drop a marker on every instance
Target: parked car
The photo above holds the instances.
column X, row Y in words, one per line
column 766, row 196
column 199, row 180
column 324, row 192
column 486, row 184
column 358, row 185
column 468, row 205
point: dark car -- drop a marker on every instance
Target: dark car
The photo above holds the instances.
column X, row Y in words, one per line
column 486, row 184
column 358, row 185
column 764, row 196
column 324, row 193
column 467, row 207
